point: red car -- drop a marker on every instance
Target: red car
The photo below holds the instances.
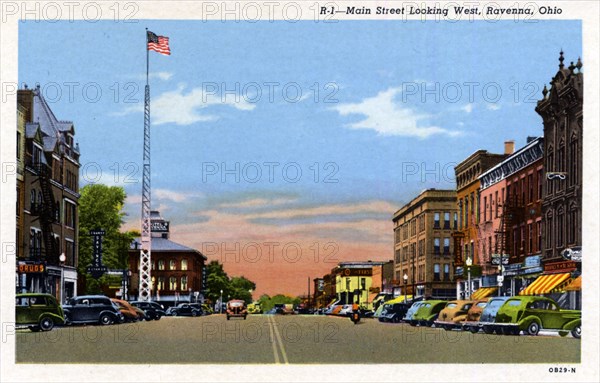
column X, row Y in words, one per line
column 236, row 308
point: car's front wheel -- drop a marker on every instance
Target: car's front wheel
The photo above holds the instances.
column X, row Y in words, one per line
column 533, row 328
column 106, row 319
column 576, row 332
column 474, row 329
column 46, row 324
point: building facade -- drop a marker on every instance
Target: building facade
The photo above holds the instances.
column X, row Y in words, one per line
column 511, row 220
column 466, row 238
column 561, row 110
column 47, row 198
column 177, row 271
column 423, row 246
column 354, row 282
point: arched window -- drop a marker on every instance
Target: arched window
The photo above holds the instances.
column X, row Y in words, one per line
column 172, row 264
column 184, row 282
column 172, row 283
column 184, row 264
column 161, row 264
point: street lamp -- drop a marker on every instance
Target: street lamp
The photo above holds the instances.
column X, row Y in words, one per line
column 469, row 262
column 221, row 303
column 405, row 277
column 62, row 258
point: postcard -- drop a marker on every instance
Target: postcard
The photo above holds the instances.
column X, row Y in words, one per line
column 299, row 191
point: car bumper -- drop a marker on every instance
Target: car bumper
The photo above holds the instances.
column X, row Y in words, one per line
column 448, row 323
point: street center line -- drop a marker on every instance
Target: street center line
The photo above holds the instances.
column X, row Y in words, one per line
column 280, row 342
column 272, row 339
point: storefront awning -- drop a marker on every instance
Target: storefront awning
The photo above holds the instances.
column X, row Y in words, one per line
column 483, row 292
column 575, row 285
column 546, row 283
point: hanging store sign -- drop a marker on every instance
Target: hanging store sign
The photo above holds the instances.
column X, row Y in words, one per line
column 533, row 261
column 572, row 254
column 97, row 269
column 497, row 258
column 458, row 258
column 159, row 226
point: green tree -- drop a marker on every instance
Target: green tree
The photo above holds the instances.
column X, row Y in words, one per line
column 100, row 207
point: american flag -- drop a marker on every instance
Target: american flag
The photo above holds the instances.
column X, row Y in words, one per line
column 158, row 44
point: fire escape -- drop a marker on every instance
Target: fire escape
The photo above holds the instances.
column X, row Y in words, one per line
column 512, row 212
column 46, row 212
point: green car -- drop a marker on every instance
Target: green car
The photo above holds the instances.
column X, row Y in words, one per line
column 38, row 311
column 531, row 313
column 427, row 313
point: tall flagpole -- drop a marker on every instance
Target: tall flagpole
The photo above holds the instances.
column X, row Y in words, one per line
column 145, row 283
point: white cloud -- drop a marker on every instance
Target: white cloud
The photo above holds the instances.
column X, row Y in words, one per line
column 468, row 108
column 257, row 202
column 171, row 195
column 161, row 75
column 182, row 108
column 493, row 106
column 390, row 118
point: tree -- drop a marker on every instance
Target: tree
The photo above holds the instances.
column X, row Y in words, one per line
column 234, row 287
column 100, row 207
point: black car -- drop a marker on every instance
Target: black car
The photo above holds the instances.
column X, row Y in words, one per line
column 152, row 310
column 185, row 309
column 92, row 309
column 393, row 312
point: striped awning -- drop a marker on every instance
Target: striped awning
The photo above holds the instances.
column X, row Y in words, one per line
column 483, row 292
column 575, row 285
column 546, row 284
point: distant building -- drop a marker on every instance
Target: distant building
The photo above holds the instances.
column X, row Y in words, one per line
column 47, row 198
column 177, row 271
column 466, row 238
column 423, row 245
column 354, row 282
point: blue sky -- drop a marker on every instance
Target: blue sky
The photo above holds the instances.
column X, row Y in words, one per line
column 377, row 129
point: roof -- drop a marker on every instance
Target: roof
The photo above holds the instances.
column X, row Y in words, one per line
column 164, row 245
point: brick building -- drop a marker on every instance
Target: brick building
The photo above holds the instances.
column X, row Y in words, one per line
column 47, row 198
column 422, row 244
column 177, row 271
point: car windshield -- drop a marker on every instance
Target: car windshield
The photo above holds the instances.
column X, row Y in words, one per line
column 451, row 305
column 467, row 306
column 482, row 304
column 515, row 302
column 236, row 304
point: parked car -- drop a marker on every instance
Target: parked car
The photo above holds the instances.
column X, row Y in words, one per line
column 92, row 309
column 185, row 309
column 411, row 312
column 487, row 320
column 38, row 311
column 453, row 314
column 393, row 312
column 152, row 310
column 236, row 308
column 346, row 310
column 427, row 312
column 131, row 313
column 471, row 322
column 531, row 313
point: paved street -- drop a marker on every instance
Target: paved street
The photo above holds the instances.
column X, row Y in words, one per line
column 284, row 339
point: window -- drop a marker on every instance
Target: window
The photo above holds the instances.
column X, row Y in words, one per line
column 539, row 184
column 490, row 245
column 184, row 282
column 462, row 218
column 436, row 272
column 421, row 247
column 422, row 222
column 561, row 164
column 347, row 283
column 70, row 252
column 455, row 225
column 539, row 234
column 57, row 212
column 466, row 220
column 413, row 227
column 172, row 283
column 446, row 220
column 397, row 255
column 18, row 145
column 550, row 167
column 530, row 186
column 172, row 265
column 397, row 234
column 571, row 226
column 573, row 175
column 363, row 283
column 161, row 264
column 446, row 246
column 161, row 283
column 446, row 272
column 184, row 264
column 436, row 220
column 70, row 214
column 560, row 224
column 485, row 204
column 549, row 228
column 530, row 238
column 436, row 245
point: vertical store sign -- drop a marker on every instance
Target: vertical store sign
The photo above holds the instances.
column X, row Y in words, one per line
column 97, row 269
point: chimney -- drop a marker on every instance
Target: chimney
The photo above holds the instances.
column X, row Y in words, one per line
column 509, row 147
